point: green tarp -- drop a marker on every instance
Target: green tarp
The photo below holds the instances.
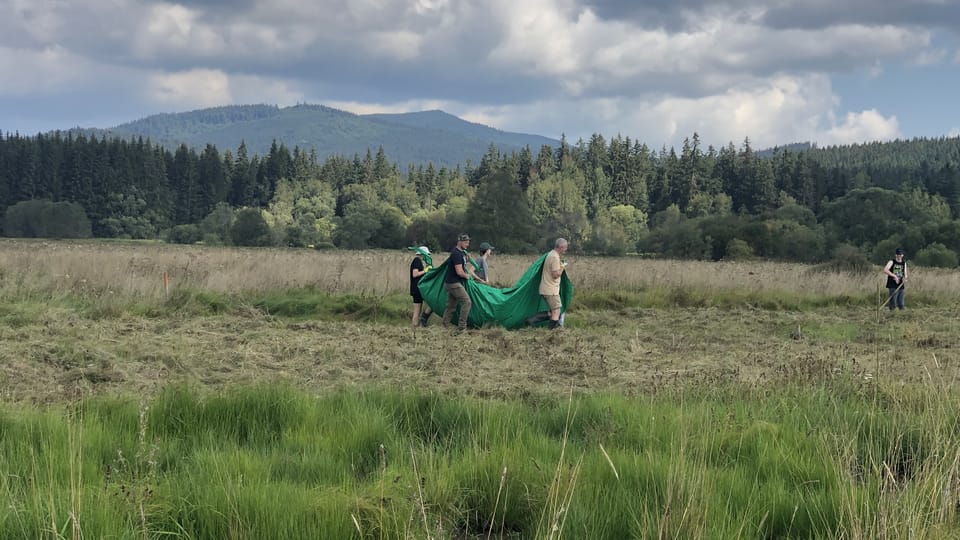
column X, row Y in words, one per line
column 508, row 307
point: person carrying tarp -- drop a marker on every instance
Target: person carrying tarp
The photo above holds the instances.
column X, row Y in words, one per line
column 509, row 307
column 483, row 262
column 455, row 278
column 421, row 264
column 553, row 269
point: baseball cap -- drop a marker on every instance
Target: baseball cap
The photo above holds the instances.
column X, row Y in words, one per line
column 899, row 251
column 463, row 237
column 485, row 246
column 424, row 249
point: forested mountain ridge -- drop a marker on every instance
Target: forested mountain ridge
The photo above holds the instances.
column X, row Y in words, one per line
column 418, row 138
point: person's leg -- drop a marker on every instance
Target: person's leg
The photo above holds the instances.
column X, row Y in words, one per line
column 892, row 301
column 451, row 302
column 465, row 304
column 900, row 295
column 553, row 302
column 425, row 316
column 417, row 307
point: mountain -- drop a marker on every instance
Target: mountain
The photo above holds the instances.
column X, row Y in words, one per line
column 419, row 138
column 792, row 147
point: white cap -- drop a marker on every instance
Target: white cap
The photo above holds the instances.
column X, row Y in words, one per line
column 425, row 249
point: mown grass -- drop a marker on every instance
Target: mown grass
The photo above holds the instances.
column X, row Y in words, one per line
column 842, row 459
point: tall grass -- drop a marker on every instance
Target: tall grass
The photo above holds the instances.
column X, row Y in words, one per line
column 834, row 460
column 133, row 273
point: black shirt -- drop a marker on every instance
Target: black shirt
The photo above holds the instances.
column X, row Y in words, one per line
column 456, row 257
column 417, row 264
column 898, row 269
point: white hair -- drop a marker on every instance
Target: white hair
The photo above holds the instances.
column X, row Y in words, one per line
column 559, row 242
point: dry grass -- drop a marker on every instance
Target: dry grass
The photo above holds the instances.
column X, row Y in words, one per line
column 53, row 352
column 63, row 356
column 136, row 270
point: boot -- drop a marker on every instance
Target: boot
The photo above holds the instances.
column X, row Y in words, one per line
column 554, row 325
column 539, row 317
column 424, row 318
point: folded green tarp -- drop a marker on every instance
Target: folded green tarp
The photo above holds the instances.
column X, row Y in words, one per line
column 508, row 307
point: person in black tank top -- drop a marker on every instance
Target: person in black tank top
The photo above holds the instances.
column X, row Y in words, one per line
column 896, row 272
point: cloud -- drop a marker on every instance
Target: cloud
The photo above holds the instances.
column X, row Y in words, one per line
column 195, row 88
column 865, row 126
column 785, row 109
column 930, row 57
column 955, row 132
column 26, row 72
column 389, row 108
column 199, row 88
column 659, row 68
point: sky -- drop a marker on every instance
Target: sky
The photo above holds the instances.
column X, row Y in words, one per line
column 657, row 71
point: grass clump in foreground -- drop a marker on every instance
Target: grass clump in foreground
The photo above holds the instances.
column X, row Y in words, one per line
column 838, row 459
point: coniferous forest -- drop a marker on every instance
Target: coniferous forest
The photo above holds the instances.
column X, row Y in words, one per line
column 850, row 204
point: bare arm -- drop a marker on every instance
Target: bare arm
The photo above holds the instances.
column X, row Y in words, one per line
column 886, row 270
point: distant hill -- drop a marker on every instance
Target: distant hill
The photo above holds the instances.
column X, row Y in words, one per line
column 792, row 147
column 419, row 138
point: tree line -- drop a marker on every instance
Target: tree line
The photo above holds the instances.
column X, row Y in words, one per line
column 853, row 202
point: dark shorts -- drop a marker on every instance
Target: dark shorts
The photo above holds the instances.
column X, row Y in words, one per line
column 417, row 297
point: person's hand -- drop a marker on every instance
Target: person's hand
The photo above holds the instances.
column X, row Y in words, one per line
column 896, row 279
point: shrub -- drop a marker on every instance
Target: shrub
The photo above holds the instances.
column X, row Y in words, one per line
column 938, row 255
column 738, row 250
column 47, row 219
column 250, row 229
column 184, row 234
column 847, row 258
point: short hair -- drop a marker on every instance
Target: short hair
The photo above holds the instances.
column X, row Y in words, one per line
column 559, row 242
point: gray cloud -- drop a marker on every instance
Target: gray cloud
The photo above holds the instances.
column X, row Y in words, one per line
column 781, row 14
column 476, row 55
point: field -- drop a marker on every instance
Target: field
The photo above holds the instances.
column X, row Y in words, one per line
column 283, row 393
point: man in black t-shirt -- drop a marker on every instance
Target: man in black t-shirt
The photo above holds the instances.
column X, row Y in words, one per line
column 454, row 281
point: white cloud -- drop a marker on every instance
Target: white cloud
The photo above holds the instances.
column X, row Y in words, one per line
column 357, row 107
column 782, row 110
column 715, row 52
column 172, row 28
column 929, row 57
column 398, row 45
column 955, row 132
column 865, row 126
column 26, row 72
column 245, row 89
column 199, row 88
column 195, row 88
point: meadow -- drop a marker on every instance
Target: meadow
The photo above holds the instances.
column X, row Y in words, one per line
column 283, row 394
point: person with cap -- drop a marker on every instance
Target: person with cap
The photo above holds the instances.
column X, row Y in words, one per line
column 454, row 281
column 483, row 271
column 896, row 272
column 421, row 264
